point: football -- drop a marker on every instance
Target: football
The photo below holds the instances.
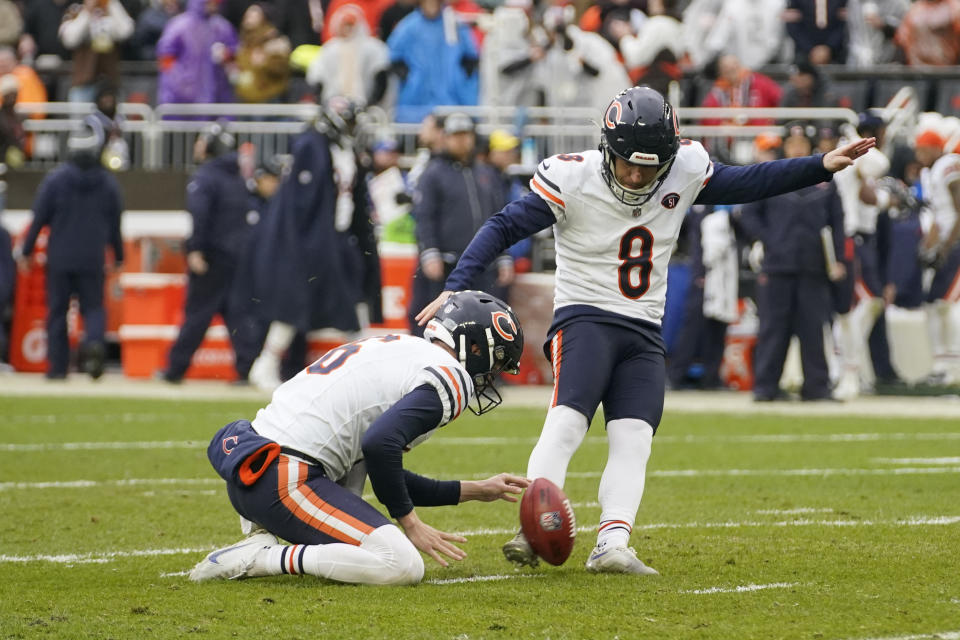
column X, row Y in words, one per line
column 547, row 521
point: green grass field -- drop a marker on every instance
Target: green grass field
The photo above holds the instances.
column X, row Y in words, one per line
column 763, row 527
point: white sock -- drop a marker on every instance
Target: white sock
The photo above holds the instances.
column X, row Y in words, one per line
column 621, row 486
column 278, row 339
column 386, row 556
column 563, row 431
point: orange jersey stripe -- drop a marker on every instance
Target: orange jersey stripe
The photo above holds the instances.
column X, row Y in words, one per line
column 543, row 191
column 456, row 385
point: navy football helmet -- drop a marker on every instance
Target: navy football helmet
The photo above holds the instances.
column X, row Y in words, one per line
column 486, row 337
column 640, row 127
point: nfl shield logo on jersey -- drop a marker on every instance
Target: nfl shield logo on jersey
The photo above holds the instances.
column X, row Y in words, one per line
column 670, row 200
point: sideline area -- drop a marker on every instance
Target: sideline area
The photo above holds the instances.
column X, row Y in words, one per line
column 727, row 402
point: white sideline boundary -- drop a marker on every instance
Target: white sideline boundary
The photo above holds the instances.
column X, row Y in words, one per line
column 114, row 384
column 100, row 557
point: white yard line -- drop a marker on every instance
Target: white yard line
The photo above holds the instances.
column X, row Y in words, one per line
column 493, row 578
column 127, row 482
column 953, row 460
column 933, row 635
column 743, row 588
column 99, row 446
column 494, row 441
column 661, row 473
column 107, row 556
column 102, row 556
column 798, row 510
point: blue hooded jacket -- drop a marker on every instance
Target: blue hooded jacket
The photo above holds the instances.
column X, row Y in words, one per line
column 435, row 73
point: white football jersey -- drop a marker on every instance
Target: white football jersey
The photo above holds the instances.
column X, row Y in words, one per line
column 612, row 255
column 936, row 182
column 324, row 410
column 859, row 216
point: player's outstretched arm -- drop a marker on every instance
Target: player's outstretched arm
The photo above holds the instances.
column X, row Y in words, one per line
column 503, row 486
column 432, row 542
column 431, row 309
column 843, row 157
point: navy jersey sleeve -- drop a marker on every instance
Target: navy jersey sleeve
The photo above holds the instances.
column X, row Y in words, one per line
column 518, row 220
column 415, row 414
column 738, row 185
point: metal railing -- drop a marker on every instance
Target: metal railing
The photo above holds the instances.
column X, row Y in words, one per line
column 162, row 137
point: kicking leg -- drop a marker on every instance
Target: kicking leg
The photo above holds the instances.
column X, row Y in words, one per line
column 621, row 489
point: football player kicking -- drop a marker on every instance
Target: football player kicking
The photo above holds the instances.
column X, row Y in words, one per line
column 297, row 471
column 616, row 213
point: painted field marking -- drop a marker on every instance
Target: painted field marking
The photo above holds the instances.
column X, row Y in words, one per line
column 798, row 510
column 661, row 473
column 700, row 473
column 933, row 635
column 952, row 460
column 910, row 521
column 492, row 441
column 743, row 588
column 100, row 446
column 174, row 574
column 108, row 418
column 99, row 557
column 107, row 556
column 493, row 578
column 127, row 482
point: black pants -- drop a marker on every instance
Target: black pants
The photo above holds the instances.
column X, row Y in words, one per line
column 700, row 339
column 788, row 305
column 88, row 287
column 207, row 295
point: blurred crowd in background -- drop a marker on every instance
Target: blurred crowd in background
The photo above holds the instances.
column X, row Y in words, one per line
column 891, row 240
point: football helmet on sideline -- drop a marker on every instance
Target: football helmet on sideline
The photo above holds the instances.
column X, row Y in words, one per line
column 486, row 337
column 639, row 126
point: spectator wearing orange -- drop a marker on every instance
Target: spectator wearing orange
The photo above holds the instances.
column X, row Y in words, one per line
column 930, row 33
column 31, row 87
column 372, row 11
column 263, row 70
column 93, row 32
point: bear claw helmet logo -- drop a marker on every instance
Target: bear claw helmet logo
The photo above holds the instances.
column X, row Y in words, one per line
column 670, row 200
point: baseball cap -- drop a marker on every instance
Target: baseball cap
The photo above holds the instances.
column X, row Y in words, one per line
column 458, row 122
column 500, row 140
column 9, row 84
